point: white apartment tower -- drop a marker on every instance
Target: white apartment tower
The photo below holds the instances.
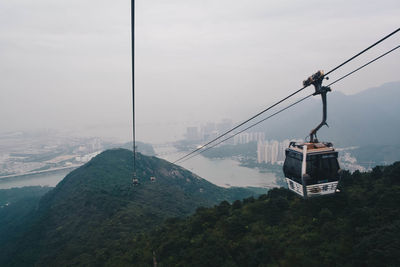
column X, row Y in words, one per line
column 271, row 151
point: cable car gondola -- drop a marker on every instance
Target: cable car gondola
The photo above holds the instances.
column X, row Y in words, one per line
column 312, row 168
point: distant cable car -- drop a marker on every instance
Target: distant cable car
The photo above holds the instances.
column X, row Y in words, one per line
column 312, row 168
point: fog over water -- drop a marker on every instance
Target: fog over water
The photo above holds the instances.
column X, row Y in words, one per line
column 222, row 172
column 43, row 179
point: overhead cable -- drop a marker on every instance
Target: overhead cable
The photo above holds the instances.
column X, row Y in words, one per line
column 362, row 52
column 366, row 64
column 234, row 128
column 282, row 100
column 133, row 86
column 281, row 110
column 251, row 126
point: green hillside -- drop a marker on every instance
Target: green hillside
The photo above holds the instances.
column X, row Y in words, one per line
column 17, row 205
column 96, row 217
column 358, row 227
column 95, row 212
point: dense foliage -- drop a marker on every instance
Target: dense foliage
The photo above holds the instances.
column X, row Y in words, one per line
column 16, row 207
column 93, row 215
column 96, row 217
column 360, row 226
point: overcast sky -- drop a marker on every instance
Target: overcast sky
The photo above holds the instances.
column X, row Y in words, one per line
column 66, row 64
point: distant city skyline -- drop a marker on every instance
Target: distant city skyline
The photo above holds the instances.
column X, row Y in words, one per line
column 208, row 131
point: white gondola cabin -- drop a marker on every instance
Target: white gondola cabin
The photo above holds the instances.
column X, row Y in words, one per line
column 311, row 169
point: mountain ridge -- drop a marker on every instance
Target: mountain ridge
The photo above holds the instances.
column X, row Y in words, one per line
column 96, row 207
column 96, row 217
column 371, row 111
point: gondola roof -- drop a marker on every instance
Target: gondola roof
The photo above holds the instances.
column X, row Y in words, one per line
column 312, row 147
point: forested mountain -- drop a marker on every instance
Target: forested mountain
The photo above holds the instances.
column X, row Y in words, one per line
column 360, row 226
column 95, row 212
column 96, row 217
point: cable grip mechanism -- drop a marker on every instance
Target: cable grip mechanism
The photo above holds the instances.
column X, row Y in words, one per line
column 316, row 80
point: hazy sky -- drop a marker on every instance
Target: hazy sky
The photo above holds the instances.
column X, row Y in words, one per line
column 66, row 64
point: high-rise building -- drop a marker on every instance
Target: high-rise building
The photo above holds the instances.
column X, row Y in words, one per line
column 260, row 152
column 244, row 138
column 274, row 146
column 272, row 151
column 267, row 152
column 282, row 147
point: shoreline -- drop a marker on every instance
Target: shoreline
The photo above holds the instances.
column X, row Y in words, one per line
column 24, row 176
